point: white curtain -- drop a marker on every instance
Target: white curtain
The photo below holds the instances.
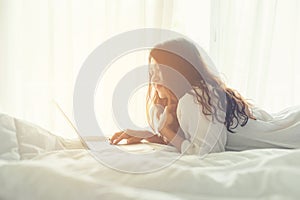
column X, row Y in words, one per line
column 256, row 45
column 44, row 43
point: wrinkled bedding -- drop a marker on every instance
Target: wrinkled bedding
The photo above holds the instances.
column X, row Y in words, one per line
column 39, row 165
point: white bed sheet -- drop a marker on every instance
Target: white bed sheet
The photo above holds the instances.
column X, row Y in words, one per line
column 75, row 174
column 49, row 168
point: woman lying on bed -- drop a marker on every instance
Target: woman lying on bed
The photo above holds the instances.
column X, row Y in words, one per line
column 191, row 108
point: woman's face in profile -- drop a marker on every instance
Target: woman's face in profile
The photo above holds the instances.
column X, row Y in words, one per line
column 156, row 76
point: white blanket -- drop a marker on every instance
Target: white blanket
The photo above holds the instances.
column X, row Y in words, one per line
column 75, row 174
column 52, row 172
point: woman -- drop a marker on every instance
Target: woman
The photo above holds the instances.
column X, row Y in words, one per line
column 199, row 114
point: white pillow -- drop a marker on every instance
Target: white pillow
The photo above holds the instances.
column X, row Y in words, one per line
column 34, row 140
column 8, row 140
column 20, row 139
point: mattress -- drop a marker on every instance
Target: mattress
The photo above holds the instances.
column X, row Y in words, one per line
column 36, row 164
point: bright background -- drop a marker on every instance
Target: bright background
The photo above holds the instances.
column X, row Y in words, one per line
column 255, row 44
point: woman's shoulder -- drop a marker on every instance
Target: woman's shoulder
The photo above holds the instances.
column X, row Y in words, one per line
column 188, row 106
column 188, row 97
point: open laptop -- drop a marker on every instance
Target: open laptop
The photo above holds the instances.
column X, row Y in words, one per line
column 88, row 138
column 93, row 142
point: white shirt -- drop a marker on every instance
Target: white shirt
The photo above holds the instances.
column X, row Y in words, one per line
column 276, row 130
column 202, row 136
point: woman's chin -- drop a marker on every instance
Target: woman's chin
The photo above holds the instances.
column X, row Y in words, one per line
column 162, row 96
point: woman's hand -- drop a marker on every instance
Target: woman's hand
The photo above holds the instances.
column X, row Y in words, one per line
column 132, row 136
column 168, row 119
column 170, row 127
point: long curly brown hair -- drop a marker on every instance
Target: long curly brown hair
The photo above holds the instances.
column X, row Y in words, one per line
column 206, row 85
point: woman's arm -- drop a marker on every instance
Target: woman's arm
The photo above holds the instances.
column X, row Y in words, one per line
column 156, row 139
column 170, row 126
column 173, row 138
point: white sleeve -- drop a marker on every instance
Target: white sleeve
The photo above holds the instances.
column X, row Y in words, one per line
column 156, row 112
column 201, row 136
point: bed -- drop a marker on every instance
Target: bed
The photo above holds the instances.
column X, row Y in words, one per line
column 36, row 164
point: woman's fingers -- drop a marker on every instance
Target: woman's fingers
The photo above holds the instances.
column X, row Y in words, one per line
column 139, row 134
column 121, row 137
column 115, row 136
column 133, row 140
column 132, row 136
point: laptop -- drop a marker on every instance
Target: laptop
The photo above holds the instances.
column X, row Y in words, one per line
column 94, row 142
column 87, row 138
